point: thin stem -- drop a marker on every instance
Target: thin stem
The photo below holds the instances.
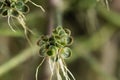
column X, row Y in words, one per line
column 11, row 27
column 37, row 5
column 36, row 74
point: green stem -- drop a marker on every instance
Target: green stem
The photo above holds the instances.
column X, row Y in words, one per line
column 58, row 17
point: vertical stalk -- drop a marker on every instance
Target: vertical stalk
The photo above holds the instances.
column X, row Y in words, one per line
column 54, row 19
column 58, row 18
column 54, row 15
column 58, row 12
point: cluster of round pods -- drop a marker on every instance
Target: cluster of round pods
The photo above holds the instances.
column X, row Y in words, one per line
column 57, row 44
column 13, row 8
column 16, row 9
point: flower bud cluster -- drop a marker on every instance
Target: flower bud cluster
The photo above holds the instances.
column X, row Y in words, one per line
column 57, row 44
column 13, row 8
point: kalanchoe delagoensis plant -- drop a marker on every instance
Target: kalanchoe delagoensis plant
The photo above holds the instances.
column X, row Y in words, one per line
column 56, row 48
column 16, row 9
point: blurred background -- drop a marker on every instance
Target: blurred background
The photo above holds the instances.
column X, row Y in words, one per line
column 95, row 28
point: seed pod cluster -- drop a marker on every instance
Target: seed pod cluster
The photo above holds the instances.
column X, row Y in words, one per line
column 13, row 8
column 57, row 44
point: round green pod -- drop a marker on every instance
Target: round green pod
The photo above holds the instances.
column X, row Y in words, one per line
column 45, row 38
column 54, row 32
column 67, row 31
column 43, row 51
column 14, row 13
column 19, row 4
column 66, row 40
column 52, row 38
column 62, row 33
column 59, row 28
column 65, row 52
column 52, row 50
column 25, row 9
column 69, row 40
column 41, row 43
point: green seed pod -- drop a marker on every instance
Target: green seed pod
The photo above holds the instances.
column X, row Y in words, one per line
column 42, row 51
column 54, row 32
column 14, row 13
column 52, row 51
column 25, row 9
column 41, row 43
column 4, row 13
column 66, row 40
column 67, row 31
column 52, row 38
column 69, row 40
column 59, row 28
column 45, row 38
column 19, row 4
column 66, row 52
column 57, row 37
column 62, row 33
